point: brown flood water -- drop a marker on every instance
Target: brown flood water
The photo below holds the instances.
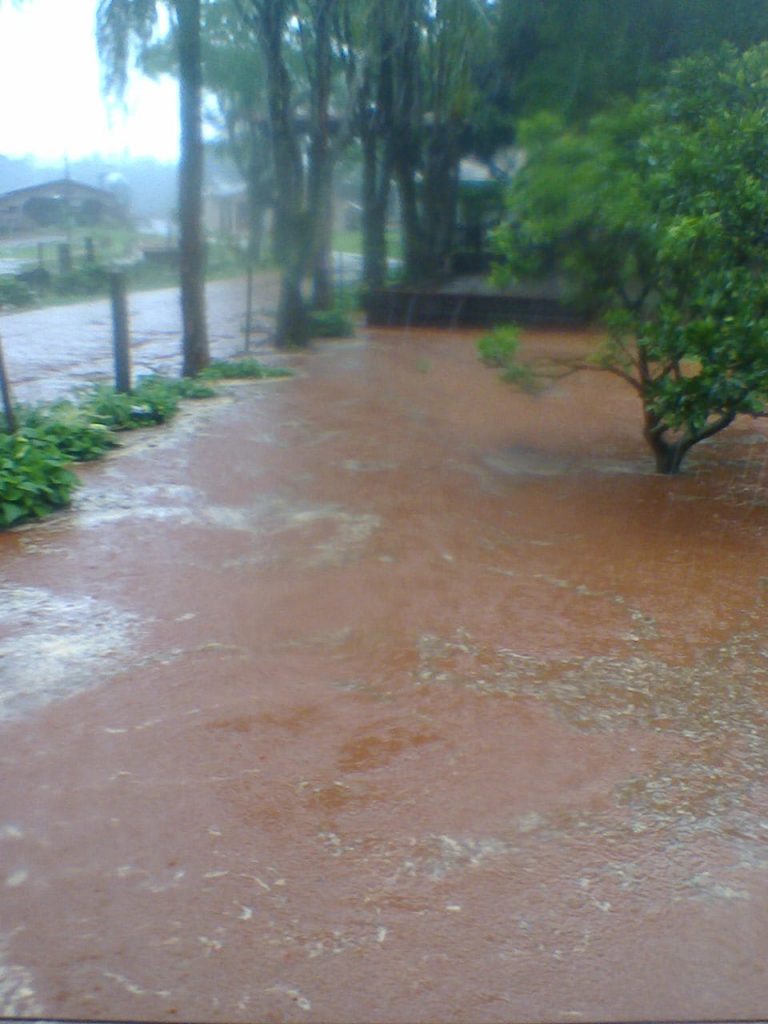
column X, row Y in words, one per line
column 388, row 694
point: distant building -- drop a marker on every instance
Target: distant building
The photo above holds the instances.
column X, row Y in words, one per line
column 56, row 205
column 225, row 211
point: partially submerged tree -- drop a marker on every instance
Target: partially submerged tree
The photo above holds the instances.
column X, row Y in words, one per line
column 657, row 213
column 123, row 28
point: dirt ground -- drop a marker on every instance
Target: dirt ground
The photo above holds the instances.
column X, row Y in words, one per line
column 386, row 693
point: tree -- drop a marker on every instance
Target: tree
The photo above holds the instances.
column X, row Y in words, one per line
column 437, row 47
column 369, row 35
column 123, row 27
column 657, row 213
column 576, row 57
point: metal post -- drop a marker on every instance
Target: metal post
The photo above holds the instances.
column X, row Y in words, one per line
column 65, row 258
column 120, row 333
column 248, row 327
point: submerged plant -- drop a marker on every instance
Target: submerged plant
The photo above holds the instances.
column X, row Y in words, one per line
column 499, row 350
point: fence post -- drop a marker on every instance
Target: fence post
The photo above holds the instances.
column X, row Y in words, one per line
column 5, row 389
column 65, row 258
column 120, row 334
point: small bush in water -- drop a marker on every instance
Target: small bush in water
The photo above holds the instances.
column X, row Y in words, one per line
column 499, row 350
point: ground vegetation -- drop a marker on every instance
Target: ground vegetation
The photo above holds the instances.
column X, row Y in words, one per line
column 39, row 444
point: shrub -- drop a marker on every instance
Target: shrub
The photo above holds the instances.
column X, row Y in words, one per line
column 331, row 323
column 14, row 292
column 154, row 400
column 68, row 427
column 34, row 478
column 88, row 280
column 499, row 350
column 191, row 387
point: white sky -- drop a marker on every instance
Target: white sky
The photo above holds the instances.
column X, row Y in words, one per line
column 51, row 105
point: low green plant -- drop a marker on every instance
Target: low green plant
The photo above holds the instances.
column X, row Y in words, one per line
column 92, row 279
column 191, row 387
column 15, row 292
column 34, row 476
column 331, row 323
column 499, row 350
column 154, row 400
column 242, row 368
column 68, row 427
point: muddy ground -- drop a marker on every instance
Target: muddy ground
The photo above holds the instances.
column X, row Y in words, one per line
column 388, row 694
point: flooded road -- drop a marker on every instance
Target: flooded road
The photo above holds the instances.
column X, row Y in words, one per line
column 385, row 693
column 53, row 350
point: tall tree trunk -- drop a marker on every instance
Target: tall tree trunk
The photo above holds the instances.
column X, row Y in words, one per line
column 191, row 239
column 406, row 132
column 375, row 195
column 414, row 254
column 322, row 270
column 439, row 202
column 291, row 227
column 321, row 160
column 375, row 116
column 292, row 320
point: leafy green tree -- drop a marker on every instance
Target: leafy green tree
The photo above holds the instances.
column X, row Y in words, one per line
column 124, row 28
column 657, row 213
column 577, row 57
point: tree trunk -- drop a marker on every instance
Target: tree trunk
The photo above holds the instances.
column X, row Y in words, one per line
column 439, row 200
column 375, row 119
column 414, row 256
column 292, row 235
column 321, row 158
column 191, row 240
column 322, row 271
column 292, row 328
column 667, row 456
column 375, row 196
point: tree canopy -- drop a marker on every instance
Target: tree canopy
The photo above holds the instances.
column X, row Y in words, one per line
column 657, row 213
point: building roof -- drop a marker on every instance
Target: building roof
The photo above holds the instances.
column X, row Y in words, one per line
column 63, row 186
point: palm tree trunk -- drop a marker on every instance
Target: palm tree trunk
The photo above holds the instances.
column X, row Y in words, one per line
column 191, row 238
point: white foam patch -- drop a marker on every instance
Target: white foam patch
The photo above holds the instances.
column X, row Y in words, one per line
column 17, row 993
column 53, row 645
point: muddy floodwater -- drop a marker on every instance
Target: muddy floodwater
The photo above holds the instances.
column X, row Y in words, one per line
column 386, row 693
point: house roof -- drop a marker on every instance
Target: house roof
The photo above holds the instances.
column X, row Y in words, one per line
column 63, row 186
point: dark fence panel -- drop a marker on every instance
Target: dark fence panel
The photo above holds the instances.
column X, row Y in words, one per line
column 405, row 308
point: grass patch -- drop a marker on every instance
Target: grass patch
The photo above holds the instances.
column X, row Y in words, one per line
column 239, row 369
